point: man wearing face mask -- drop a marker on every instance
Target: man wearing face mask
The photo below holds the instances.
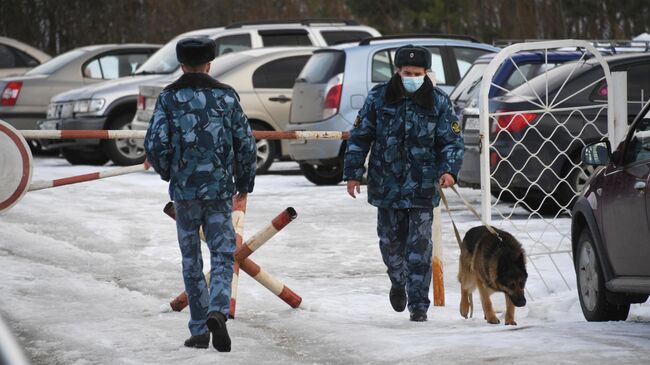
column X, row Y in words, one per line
column 415, row 144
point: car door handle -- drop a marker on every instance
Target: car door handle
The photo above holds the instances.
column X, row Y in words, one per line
column 280, row 99
column 640, row 185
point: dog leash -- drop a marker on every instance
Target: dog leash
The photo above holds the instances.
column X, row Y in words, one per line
column 470, row 208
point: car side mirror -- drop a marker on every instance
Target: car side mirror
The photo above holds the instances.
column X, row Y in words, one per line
column 597, row 153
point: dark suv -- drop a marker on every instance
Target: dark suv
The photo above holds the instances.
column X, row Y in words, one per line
column 610, row 228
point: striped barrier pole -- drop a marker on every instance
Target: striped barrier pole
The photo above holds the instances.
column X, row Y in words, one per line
column 46, row 184
column 249, row 267
column 238, row 213
column 261, row 237
column 437, row 277
column 274, row 285
column 140, row 134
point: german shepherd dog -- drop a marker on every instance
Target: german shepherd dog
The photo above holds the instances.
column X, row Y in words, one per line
column 492, row 264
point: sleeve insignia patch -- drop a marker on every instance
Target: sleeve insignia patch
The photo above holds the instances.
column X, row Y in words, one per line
column 357, row 122
column 455, row 127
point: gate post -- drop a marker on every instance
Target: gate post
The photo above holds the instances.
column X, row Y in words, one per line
column 617, row 126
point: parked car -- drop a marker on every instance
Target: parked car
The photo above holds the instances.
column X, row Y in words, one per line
column 610, row 227
column 333, row 86
column 120, row 97
column 263, row 79
column 507, row 77
column 544, row 162
column 16, row 57
column 24, row 99
column 466, row 94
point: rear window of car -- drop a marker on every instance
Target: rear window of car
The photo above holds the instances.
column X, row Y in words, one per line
column 470, row 81
column 56, row 63
column 279, row 74
column 333, row 37
column 466, row 56
column 280, row 37
column 232, row 43
column 322, row 66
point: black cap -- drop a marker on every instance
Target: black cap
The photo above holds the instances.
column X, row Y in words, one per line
column 195, row 51
column 411, row 55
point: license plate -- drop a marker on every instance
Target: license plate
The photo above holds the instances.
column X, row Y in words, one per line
column 472, row 124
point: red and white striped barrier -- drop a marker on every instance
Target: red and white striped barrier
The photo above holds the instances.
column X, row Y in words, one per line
column 274, row 285
column 261, row 237
column 238, row 213
column 40, row 185
column 16, row 161
column 140, row 134
column 250, row 267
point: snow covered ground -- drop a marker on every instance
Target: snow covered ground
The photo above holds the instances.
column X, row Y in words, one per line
column 87, row 271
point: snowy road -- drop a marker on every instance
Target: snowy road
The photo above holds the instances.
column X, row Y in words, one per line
column 86, row 269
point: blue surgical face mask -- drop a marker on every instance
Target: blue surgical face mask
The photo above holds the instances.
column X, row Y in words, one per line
column 412, row 84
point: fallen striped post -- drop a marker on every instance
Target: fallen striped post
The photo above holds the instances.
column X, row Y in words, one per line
column 140, row 134
column 274, row 285
column 249, row 267
column 238, row 213
column 261, row 237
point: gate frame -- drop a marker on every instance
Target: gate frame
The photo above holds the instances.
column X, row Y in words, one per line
column 484, row 112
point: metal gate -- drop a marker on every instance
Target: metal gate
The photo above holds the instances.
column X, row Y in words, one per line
column 531, row 141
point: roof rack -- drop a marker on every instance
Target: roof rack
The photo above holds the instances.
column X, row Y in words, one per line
column 610, row 44
column 367, row 41
column 307, row 21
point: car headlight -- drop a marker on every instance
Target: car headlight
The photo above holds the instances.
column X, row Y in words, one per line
column 88, row 105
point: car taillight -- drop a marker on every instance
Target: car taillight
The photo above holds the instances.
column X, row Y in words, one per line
column 514, row 123
column 141, row 102
column 332, row 100
column 10, row 93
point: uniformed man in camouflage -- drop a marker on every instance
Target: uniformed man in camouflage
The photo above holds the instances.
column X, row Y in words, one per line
column 200, row 141
column 415, row 144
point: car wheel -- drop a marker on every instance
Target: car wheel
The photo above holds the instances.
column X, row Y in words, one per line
column 124, row 152
column 591, row 285
column 322, row 175
column 576, row 180
column 266, row 150
column 85, row 156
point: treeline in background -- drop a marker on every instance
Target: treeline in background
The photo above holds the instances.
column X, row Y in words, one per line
column 56, row 26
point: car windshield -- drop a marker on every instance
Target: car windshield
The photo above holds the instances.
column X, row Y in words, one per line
column 472, row 78
column 163, row 61
column 56, row 63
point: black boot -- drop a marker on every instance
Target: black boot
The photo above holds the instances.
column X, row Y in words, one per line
column 419, row 316
column 398, row 298
column 217, row 325
column 198, row 341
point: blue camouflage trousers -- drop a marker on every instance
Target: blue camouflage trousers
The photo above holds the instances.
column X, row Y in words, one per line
column 215, row 216
column 405, row 244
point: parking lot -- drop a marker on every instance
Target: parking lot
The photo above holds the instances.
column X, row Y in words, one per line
column 88, row 271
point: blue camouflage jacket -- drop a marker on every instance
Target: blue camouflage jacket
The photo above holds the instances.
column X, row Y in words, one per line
column 200, row 141
column 412, row 139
